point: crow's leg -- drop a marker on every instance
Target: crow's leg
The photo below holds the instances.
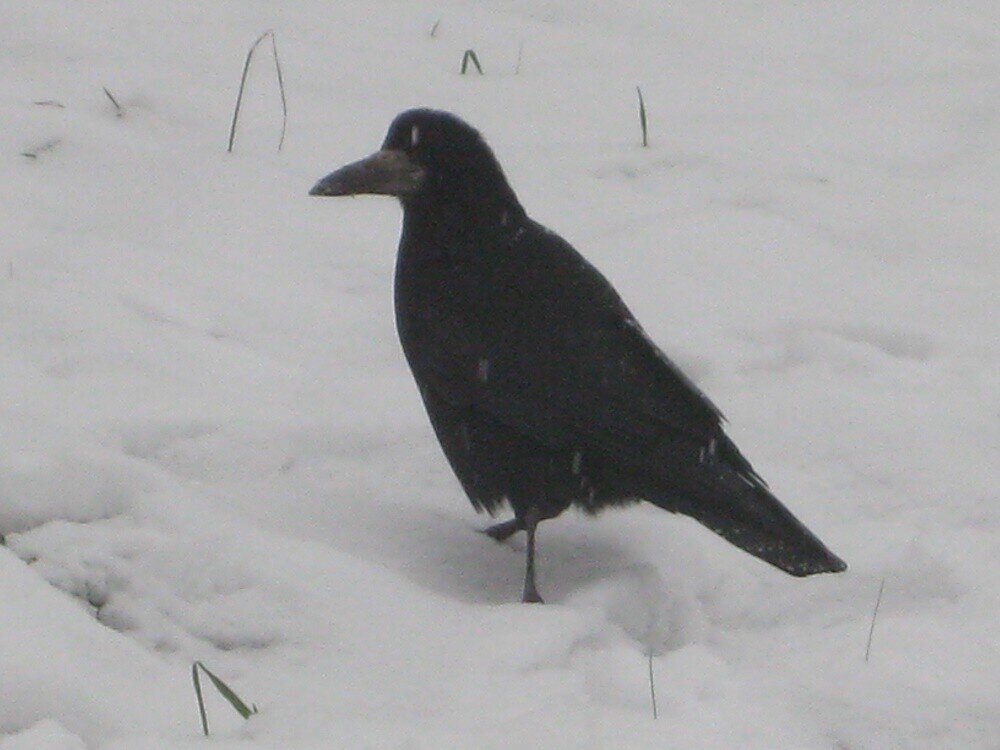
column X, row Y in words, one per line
column 531, row 520
column 503, row 531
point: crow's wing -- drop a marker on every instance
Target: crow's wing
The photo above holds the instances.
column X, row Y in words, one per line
column 546, row 355
column 544, row 344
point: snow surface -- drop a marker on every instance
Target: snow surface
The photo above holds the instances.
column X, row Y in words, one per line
column 210, row 446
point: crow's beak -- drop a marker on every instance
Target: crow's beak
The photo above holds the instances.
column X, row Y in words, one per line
column 386, row 172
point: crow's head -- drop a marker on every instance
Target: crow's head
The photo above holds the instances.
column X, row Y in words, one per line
column 428, row 157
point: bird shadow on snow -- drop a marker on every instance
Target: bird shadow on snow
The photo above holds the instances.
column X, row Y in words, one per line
column 577, row 568
column 444, row 552
column 458, row 560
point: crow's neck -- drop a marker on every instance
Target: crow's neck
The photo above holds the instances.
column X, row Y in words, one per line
column 456, row 222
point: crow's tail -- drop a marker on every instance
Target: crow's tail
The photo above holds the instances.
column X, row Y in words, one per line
column 724, row 493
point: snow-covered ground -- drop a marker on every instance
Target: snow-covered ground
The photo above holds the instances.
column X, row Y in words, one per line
column 211, row 449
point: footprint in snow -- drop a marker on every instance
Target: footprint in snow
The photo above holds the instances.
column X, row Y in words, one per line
column 158, row 585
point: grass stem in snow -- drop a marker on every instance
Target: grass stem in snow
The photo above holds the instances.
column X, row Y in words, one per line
column 281, row 90
column 224, row 690
column 119, row 111
column 243, row 83
column 470, row 55
column 871, row 630
column 642, row 118
column 40, row 149
column 652, row 684
column 201, row 700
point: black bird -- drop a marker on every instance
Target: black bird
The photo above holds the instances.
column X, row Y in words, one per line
column 543, row 389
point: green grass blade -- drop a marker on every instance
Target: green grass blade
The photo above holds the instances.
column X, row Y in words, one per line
column 224, row 690
column 470, row 56
column 227, row 692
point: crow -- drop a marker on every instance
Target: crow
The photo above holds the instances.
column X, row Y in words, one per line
column 542, row 388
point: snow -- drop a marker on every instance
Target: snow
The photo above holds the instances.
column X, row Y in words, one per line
column 211, row 449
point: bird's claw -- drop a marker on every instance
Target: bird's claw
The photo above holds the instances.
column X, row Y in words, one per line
column 501, row 532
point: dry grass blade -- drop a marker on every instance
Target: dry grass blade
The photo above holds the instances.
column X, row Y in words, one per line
column 520, row 56
column 652, row 684
column 50, row 103
column 119, row 110
column 37, row 151
column 434, row 28
column 642, row 118
column 871, row 630
column 470, row 56
column 281, row 90
column 243, row 83
column 201, row 700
